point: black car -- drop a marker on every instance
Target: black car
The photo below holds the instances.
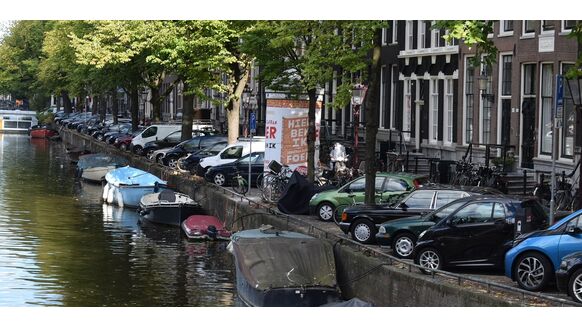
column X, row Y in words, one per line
column 569, row 276
column 192, row 145
column 171, row 140
column 479, row 233
column 190, row 162
column 423, row 200
column 224, row 174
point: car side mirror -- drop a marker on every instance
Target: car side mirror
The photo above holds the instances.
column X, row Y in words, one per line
column 403, row 206
column 573, row 230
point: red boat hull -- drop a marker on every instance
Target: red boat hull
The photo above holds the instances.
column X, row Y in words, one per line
column 43, row 133
column 197, row 227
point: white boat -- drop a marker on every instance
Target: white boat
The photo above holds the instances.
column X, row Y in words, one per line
column 127, row 185
column 168, row 207
column 94, row 167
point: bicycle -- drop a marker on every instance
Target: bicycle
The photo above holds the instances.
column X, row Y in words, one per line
column 274, row 181
column 239, row 184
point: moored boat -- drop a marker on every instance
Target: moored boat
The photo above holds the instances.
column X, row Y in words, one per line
column 283, row 268
column 127, row 185
column 205, row 227
column 94, row 167
column 167, row 207
column 42, row 131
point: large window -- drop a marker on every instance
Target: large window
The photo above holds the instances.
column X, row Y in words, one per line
column 506, row 75
column 487, row 105
column 568, row 25
column 395, row 31
column 407, row 113
column 434, row 109
column 436, row 38
column 548, row 26
column 506, row 26
column 448, row 125
column 546, row 110
column 529, row 27
column 569, row 119
column 529, row 79
column 409, row 36
column 393, row 96
column 469, row 100
column 421, row 34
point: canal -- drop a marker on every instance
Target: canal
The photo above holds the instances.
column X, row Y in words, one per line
column 60, row 246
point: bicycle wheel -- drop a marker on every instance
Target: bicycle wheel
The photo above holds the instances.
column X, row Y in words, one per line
column 260, row 182
column 240, row 185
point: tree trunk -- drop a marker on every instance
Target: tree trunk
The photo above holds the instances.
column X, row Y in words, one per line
column 66, row 102
column 372, row 117
column 134, row 107
column 58, row 102
column 156, row 105
column 187, row 112
column 96, row 104
column 114, row 105
column 103, row 108
column 312, row 93
column 233, row 108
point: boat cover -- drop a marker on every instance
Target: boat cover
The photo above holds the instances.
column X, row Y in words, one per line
column 128, row 176
column 295, row 198
column 286, row 259
column 99, row 160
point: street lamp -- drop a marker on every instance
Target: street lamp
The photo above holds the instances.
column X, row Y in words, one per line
column 246, row 99
column 358, row 95
column 575, row 87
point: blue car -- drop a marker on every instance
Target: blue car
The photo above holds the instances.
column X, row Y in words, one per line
column 536, row 256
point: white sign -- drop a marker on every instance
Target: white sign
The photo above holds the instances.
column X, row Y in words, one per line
column 286, row 132
column 546, row 44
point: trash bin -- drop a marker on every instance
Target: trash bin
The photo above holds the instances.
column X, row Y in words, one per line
column 444, row 171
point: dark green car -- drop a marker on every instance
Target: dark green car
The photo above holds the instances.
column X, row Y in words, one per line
column 402, row 234
column 388, row 186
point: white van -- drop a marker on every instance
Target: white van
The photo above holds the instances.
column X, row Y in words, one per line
column 231, row 153
column 152, row 133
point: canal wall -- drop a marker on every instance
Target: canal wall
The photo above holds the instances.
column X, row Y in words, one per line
column 359, row 273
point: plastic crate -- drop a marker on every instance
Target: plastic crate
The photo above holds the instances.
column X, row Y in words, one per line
column 275, row 166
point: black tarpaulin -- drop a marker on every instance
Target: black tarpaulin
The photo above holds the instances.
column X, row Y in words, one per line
column 295, row 198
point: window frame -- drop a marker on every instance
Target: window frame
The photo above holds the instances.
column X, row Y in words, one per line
column 468, row 94
column 525, row 32
column 433, row 118
column 542, row 151
column 407, row 109
column 449, row 110
column 409, row 33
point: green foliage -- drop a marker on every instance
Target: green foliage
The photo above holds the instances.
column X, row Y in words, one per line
column 474, row 34
column 45, row 117
column 576, row 71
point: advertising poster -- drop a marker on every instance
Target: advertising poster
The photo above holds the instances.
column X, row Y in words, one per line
column 286, row 132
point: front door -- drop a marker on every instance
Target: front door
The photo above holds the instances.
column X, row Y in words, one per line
column 505, row 121
column 528, row 132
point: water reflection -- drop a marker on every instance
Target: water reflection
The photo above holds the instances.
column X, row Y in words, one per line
column 59, row 245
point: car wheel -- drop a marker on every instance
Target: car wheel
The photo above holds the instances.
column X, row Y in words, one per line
column 325, row 211
column 429, row 259
column 575, row 286
column 138, row 150
column 123, row 147
column 172, row 162
column 219, row 179
column 403, row 245
column 533, row 271
column 363, row 231
column 149, row 154
column 159, row 159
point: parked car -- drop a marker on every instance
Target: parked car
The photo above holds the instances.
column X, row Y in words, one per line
column 357, row 219
column 388, row 185
column 123, row 142
column 190, row 146
column 536, row 256
column 169, row 141
column 223, row 175
column 478, row 233
column 569, row 276
column 189, row 162
column 152, row 133
column 231, row 153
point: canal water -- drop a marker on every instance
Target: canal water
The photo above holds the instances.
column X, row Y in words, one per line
column 60, row 246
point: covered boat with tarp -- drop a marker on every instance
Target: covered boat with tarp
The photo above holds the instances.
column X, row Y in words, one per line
column 168, row 207
column 127, row 185
column 283, row 268
column 94, row 167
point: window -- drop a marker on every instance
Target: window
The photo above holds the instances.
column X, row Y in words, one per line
column 546, row 110
column 452, row 41
column 232, row 153
column 406, row 115
column 436, row 38
column 357, row 186
column 506, row 75
column 506, row 26
column 469, row 100
column 180, row 96
column 445, row 197
column 420, row 199
column 217, row 148
column 150, row 132
column 529, row 27
column 254, row 158
column 576, row 223
column 529, row 79
column 379, row 182
column 498, row 212
column 473, row 213
column 384, row 36
column 569, row 119
column 568, row 25
column 174, row 137
column 409, row 36
column 382, row 96
column 434, row 110
column 487, row 104
column 396, row 185
column 395, row 31
column 393, row 96
column 448, row 124
column 421, row 34
column 445, row 211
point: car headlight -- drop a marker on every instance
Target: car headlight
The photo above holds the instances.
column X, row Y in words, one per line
column 564, row 265
column 422, row 234
column 313, row 197
column 382, row 229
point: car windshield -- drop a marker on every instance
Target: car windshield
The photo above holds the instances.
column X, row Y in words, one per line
column 444, row 211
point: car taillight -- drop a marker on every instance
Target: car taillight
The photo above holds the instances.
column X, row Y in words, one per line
column 417, row 184
column 344, row 216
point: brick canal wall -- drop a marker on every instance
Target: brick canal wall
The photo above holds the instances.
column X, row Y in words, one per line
column 359, row 274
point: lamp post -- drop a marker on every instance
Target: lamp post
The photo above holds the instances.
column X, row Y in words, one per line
column 358, row 95
column 246, row 98
column 575, row 87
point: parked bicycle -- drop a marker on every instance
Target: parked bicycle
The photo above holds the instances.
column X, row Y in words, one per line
column 240, row 184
